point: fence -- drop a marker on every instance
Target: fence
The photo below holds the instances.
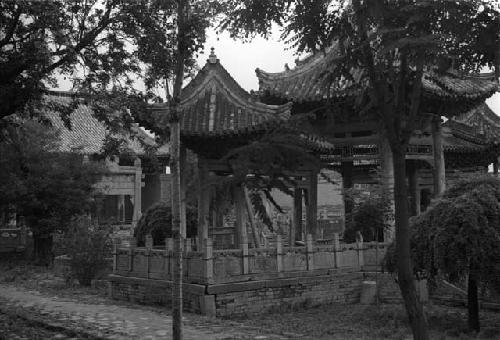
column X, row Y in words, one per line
column 210, row 266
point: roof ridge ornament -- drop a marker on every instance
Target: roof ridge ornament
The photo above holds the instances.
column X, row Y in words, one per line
column 212, row 58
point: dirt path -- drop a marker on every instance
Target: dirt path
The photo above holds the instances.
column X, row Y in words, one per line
column 109, row 321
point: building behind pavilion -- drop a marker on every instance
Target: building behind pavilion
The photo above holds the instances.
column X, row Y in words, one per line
column 358, row 145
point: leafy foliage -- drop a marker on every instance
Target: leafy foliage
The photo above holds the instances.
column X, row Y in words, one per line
column 460, row 229
column 157, row 222
column 458, row 236
column 369, row 217
column 46, row 186
column 88, row 247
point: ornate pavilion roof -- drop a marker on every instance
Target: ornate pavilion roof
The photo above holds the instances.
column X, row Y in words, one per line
column 308, row 82
column 213, row 104
column 481, row 120
column 87, row 133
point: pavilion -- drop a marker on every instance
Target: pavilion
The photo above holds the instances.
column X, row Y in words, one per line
column 225, row 273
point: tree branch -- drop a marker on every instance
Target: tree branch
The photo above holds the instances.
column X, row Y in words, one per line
column 12, row 28
column 416, row 96
column 87, row 39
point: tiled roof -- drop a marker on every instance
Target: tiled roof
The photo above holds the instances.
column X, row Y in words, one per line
column 309, row 82
column 87, row 133
column 481, row 120
column 460, row 137
column 213, row 104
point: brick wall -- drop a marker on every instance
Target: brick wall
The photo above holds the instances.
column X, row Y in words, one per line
column 252, row 297
column 285, row 294
column 155, row 292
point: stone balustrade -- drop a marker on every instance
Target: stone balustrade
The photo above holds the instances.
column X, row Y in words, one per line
column 210, row 266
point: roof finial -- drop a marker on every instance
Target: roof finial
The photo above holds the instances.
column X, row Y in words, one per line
column 212, row 58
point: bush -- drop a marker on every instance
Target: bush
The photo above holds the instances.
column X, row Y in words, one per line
column 87, row 246
column 369, row 217
column 157, row 221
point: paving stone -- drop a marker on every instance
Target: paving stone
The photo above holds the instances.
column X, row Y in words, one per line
column 112, row 321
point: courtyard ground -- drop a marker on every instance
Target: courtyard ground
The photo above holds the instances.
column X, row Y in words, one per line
column 34, row 304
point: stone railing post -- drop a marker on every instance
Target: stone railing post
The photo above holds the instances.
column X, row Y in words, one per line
column 309, row 252
column 131, row 250
column 336, row 250
column 149, row 242
column 169, row 245
column 361, row 259
column 149, row 246
column 166, row 259
column 208, row 260
column 244, row 254
column 279, row 253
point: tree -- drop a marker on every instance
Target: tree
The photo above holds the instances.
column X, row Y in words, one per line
column 389, row 45
column 458, row 238
column 46, row 186
column 368, row 216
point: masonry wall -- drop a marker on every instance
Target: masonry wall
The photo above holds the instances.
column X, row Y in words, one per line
column 315, row 288
column 285, row 294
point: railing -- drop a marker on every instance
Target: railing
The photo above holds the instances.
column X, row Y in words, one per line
column 235, row 265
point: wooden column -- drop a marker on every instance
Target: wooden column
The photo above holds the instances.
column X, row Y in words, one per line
column 346, row 169
column 297, row 215
column 203, row 202
column 241, row 228
column 251, row 219
column 182, row 163
column 312, row 205
column 387, row 179
column 413, row 188
column 495, row 168
column 137, row 192
column 439, row 167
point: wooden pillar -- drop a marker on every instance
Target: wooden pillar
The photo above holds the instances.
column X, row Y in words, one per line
column 137, row 192
column 413, row 188
column 312, row 205
column 165, row 189
column 182, row 170
column 387, row 179
column 241, row 228
column 439, row 166
column 203, row 202
column 297, row 215
column 495, row 168
column 251, row 219
column 346, row 169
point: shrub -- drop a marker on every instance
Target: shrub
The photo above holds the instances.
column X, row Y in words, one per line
column 157, row 221
column 369, row 217
column 88, row 246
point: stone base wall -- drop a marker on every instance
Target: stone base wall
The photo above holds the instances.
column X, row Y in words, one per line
column 156, row 292
column 243, row 298
column 285, row 294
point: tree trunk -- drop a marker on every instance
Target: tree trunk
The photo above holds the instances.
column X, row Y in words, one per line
column 416, row 316
column 42, row 249
column 473, row 301
column 176, row 231
column 175, row 142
